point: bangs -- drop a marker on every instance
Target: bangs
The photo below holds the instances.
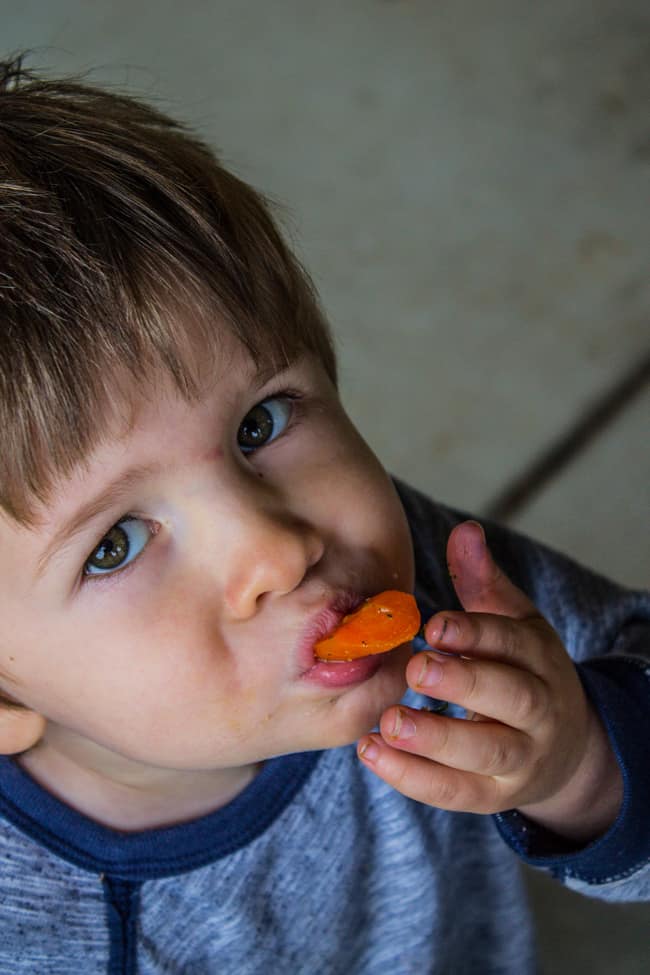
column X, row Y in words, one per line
column 126, row 249
column 59, row 409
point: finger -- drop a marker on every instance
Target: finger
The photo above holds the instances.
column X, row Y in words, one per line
column 480, row 584
column 527, row 643
column 513, row 696
column 489, row 748
column 428, row 782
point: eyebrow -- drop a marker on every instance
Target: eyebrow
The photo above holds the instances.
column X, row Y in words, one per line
column 117, row 489
column 121, row 485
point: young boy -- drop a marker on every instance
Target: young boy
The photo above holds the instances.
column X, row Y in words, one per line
column 185, row 508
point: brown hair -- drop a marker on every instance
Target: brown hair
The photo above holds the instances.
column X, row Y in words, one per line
column 114, row 218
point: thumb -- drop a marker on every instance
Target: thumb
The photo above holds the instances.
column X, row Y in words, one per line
column 480, row 584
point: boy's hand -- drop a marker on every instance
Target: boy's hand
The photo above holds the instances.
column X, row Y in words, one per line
column 534, row 742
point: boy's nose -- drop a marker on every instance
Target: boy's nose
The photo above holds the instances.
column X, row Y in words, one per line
column 270, row 552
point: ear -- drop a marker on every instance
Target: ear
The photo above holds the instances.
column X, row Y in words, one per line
column 20, row 728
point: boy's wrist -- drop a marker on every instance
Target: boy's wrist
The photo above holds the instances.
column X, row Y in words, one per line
column 589, row 804
column 617, row 687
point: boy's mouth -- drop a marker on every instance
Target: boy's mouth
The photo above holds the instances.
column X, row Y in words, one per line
column 330, row 673
column 333, row 673
column 327, row 620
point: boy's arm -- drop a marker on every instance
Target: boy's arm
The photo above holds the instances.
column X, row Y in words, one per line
column 606, row 630
column 615, row 865
column 561, row 751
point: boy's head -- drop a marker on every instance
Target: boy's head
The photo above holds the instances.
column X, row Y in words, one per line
column 156, row 334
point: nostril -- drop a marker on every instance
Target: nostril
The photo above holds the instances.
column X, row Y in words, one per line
column 316, row 550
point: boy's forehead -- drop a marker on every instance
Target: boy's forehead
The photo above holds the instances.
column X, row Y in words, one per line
column 137, row 439
column 136, row 407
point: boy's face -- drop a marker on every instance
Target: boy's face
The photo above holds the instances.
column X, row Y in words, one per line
column 182, row 637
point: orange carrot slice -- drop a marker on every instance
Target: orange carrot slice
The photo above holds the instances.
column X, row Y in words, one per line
column 379, row 624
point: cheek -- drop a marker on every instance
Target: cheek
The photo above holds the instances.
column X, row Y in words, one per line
column 135, row 663
column 366, row 508
column 166, row 697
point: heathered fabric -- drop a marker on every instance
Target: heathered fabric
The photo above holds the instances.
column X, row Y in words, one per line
column 318, row 867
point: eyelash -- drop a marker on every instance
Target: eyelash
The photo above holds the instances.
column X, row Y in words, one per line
column 115, row 578
column 112, row 578
column 295, row 397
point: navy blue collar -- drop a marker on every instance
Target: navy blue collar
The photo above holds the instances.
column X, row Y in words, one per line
column 155, row 852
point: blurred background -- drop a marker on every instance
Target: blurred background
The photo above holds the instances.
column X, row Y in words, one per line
column 468, row 184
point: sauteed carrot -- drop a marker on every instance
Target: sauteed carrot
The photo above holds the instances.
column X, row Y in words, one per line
column 379, row 624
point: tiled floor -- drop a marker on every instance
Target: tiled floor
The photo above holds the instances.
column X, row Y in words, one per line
column 468, row 183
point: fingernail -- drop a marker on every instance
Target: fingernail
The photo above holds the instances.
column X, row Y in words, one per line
column 368, row 750
column 431, row 673
column 444, row 630
column 404, row 726
column 476, row 543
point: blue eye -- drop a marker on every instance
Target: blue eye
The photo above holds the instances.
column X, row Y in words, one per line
column 266, row 421
column 119, row 546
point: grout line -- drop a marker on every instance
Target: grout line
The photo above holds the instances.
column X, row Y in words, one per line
column 524, row 487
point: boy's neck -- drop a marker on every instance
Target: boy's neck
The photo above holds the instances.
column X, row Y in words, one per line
column 130, row 797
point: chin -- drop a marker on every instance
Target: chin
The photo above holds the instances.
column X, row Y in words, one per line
column 355, row 714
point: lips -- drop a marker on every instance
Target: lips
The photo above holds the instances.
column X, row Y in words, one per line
column 333, row 673
column 325, row 621
column 328, row 673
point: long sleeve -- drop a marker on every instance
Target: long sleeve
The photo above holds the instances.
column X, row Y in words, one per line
column 617, row 865
column 606, row 630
